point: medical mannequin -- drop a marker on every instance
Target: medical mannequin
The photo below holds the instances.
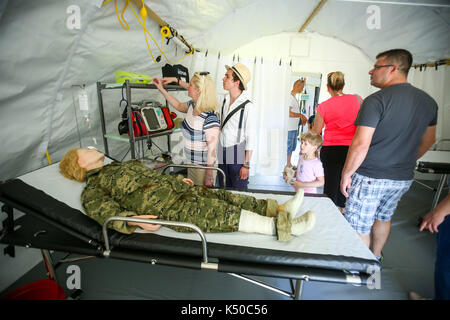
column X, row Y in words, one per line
column 130, row 189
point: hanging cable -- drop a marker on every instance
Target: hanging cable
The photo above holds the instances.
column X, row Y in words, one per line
column 117, row 14
column 48, row 157
column 166, row 31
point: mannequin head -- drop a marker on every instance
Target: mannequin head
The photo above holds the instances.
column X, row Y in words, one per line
column 77, row 161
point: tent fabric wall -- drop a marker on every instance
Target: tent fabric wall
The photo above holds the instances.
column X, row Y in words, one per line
column 42, row 61
column 421, row 29
column 436, row 83
column 353, row 63
column 322, row 55
column 268, row 90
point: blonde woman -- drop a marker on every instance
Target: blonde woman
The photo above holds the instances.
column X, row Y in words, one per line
column 337, row 115
column 201, row 127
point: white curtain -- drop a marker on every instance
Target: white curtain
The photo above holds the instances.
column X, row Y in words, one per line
column 436, row 82
column 268, row 89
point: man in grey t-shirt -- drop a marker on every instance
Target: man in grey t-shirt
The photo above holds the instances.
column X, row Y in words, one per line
column 395, row 127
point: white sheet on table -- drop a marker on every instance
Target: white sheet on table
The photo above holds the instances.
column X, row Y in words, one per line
column 436, row 157
column 331, row 235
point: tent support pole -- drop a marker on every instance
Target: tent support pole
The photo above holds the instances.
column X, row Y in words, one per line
column 162, row 23
column 312, row 15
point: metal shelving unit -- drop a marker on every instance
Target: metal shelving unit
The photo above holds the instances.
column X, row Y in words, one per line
column 131, row 139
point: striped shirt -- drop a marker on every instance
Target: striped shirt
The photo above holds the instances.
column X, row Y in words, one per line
column 194, row 137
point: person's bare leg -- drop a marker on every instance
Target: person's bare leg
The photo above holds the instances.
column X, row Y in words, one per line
column 380, row 234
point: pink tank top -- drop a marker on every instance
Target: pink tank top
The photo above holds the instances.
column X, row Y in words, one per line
column 339, row 114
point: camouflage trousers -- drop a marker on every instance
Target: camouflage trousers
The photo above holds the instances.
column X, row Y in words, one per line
column 215, row 210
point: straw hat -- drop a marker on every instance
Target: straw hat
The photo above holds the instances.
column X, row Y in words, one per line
column 242, row 72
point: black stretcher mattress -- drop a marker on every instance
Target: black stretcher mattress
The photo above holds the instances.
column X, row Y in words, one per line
column 69, row 230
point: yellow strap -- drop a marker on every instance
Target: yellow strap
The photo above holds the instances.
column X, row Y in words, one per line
column 48, row 157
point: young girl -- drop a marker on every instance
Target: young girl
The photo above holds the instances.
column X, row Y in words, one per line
column 310, row 173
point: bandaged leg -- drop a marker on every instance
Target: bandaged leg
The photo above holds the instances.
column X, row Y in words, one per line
column 251, row 222
column 283, row 226
column 292, row 205
column 304, row 223
column 272, row 206
column 296, row 227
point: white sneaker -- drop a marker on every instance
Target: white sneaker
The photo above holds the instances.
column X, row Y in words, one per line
column 304, row 223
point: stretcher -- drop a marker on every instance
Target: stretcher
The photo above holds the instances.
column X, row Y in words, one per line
column 435, row 162
column 54, row 220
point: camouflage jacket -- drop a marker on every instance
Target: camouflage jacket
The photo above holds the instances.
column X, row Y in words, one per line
column 129, row 189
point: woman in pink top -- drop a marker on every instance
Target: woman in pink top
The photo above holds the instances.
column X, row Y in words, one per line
column 337, row 115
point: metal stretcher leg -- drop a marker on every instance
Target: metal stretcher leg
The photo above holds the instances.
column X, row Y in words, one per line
column 299, row 289
column 8, row 226
column 439, row 190
column 296, row 294
column 48, row 262
column 262, row 284
column 50, row 266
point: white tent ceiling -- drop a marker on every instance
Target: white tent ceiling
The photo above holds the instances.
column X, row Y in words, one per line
column 224, row 25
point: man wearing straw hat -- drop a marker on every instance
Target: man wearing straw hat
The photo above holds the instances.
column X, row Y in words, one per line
column 237, row 137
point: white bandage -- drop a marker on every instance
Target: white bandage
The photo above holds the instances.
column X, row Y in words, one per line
column 293, row 205
column 304, row 223
column 251, row 222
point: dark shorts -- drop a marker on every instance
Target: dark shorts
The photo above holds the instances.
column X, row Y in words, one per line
column 230, row 161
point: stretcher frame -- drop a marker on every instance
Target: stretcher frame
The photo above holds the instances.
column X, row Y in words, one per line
column 36, row 226
column 426, row 164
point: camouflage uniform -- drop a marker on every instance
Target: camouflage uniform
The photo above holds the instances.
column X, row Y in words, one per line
column 131, row 189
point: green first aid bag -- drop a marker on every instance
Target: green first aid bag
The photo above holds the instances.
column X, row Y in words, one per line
column 122, row 76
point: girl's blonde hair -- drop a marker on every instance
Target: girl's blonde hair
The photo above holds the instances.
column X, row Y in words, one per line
column 314, row 139
column 70, row 168
column 335, row 80
column 207, row 101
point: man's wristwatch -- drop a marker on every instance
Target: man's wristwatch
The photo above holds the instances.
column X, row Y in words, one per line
column 246, row 165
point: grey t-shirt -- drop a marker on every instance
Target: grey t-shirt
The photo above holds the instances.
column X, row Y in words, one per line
column 400, row 115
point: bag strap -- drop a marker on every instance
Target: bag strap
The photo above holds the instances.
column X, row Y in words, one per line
column 223, row 104
column 241, row 106
column 240, row 125
column 359, row 99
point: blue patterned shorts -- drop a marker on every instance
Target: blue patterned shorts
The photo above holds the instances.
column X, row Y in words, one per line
column 371, row 199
